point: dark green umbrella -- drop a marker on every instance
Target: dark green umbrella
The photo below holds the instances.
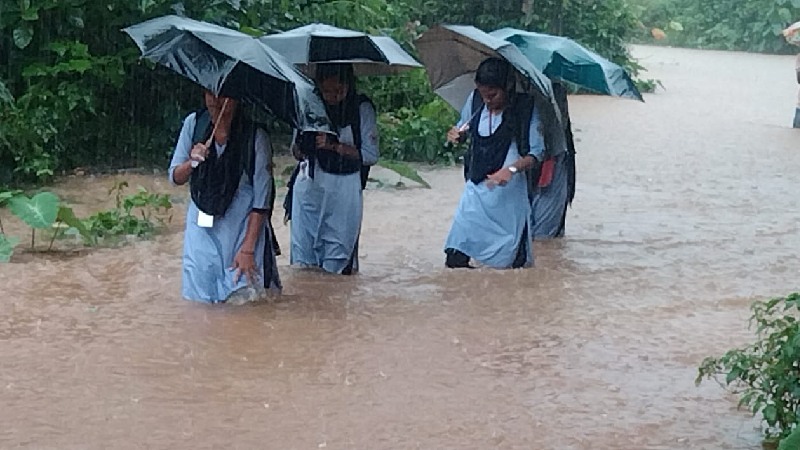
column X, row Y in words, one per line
column 561, row 58
column 232, row 64
column 452, row 54
column 318, row 43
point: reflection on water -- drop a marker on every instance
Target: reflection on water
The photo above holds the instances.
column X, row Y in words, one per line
column 686, row 212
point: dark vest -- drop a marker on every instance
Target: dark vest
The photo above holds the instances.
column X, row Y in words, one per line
column 515, row 127
column 215, row 181
column 331, row 161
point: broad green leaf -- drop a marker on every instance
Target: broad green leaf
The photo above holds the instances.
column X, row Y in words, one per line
column 67, row 216
column 732, row 375
column 770, row 414
column 38, row 212
column 404, row 170
column 7, row 247
column 23, row 35
column 792, row 442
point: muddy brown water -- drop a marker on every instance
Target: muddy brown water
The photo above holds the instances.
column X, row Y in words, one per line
column 686, row 212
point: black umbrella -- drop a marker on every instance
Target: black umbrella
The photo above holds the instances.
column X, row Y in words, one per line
column 318, row 43
column 232, row 64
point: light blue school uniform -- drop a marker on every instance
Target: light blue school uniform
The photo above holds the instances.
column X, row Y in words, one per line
column 549, row 204
column 208, row 253
column 327, row 209
column 489, row 224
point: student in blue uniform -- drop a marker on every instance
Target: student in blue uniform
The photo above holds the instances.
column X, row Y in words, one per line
column 227, row 242
column 492, row 222
column 555, row 186
column 326, row 199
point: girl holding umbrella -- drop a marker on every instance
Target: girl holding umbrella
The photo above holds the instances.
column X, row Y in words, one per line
column 327, row 198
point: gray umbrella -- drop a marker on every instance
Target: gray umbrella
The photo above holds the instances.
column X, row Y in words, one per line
column 232, row 64
column 452, row 54
column 318, row 43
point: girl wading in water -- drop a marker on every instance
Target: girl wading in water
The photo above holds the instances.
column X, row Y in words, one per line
column 492, row 221
column 226, row 159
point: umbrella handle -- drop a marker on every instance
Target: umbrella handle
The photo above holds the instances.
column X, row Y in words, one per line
column 214, row 130
column 216, row 122
column 463, row 128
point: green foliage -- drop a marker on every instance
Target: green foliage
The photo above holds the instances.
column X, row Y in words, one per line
column 123, row 219
column 7, row 247
column 6, row 196
column 419, row 134
column 140, row 214
column 67, row 216
column 404, row 170
column 40, row 211
column 754, row 25
column 648, row 85
column 792, row 442
column 74, row 92
column 602, row 25
column 767, row 373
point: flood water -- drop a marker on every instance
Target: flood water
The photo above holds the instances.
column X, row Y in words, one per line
column 686, row 212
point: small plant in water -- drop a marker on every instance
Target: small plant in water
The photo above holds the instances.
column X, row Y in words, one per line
column 139, row 214
column 38, row 212
column 5, row 197
column 7, row 245
column 766, row 374
column 123, row 219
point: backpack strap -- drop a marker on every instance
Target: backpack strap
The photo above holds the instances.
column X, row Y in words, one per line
column 202, row 126
column 477, row 105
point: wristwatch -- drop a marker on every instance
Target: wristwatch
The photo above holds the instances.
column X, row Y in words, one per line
column 513, row 169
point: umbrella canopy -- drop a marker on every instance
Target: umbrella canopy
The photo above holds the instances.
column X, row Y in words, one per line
column 319, row 43
column 232, row 64
column 561, row 58
column 452, row 54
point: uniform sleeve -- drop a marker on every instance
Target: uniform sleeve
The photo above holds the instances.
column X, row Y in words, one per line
column 262, row 172
column 535, row 137
column 184, row 145
column 466, row 111
column 370, row 137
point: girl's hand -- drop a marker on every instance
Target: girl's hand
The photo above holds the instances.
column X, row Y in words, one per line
column 245, row 264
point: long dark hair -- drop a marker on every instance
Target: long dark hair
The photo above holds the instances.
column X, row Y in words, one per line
column 497, row 73
column 346, row 111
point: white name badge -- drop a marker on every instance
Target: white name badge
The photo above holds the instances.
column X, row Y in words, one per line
column 204, row 220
